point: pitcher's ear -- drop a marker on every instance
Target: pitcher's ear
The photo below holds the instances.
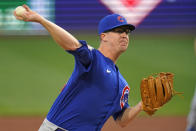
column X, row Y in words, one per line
column 102, row 36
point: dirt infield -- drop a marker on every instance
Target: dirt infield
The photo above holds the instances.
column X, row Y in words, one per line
column 139, row 124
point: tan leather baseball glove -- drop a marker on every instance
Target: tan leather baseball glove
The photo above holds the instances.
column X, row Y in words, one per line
column 156, row 90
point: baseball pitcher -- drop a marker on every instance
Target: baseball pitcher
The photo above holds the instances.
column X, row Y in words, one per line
column 96, row 89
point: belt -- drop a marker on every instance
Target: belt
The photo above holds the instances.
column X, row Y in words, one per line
column 48, row 125
column 59, row 129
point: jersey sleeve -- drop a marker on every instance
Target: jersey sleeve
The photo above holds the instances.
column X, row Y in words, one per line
column 83, row 56
column 120, row 113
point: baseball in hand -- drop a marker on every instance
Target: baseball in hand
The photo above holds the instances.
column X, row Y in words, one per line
column 20, row 10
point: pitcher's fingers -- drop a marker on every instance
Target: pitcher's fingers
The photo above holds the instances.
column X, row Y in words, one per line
column 26, row 7
column 17, row 17
column 14, row 13
column 25, row 16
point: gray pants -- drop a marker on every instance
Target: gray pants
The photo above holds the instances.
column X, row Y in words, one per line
column 191, row 120
column 48, row 126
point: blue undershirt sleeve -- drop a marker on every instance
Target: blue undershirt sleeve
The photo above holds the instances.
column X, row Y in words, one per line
column 120, row 113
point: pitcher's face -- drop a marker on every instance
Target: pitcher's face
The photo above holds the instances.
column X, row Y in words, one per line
column 118, row 38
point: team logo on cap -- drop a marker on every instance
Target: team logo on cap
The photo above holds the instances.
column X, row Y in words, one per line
column 124, row 97
column 121, row 19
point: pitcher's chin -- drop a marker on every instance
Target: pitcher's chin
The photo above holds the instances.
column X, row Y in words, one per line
column 123, row 48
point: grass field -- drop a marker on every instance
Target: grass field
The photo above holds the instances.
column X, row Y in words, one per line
column 34, row 69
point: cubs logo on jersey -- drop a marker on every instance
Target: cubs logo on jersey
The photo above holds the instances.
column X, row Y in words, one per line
column 124, row 96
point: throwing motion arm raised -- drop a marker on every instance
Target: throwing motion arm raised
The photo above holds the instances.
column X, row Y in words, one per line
column 61, row 36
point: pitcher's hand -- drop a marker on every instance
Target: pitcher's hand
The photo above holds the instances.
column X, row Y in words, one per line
column 29, row 15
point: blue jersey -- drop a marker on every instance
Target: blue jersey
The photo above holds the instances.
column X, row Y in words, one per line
column 95, row 91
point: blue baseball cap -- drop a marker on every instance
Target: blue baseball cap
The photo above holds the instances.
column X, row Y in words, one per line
column 113, row 21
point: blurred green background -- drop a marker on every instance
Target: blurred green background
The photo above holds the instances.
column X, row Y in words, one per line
column 34, row 69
